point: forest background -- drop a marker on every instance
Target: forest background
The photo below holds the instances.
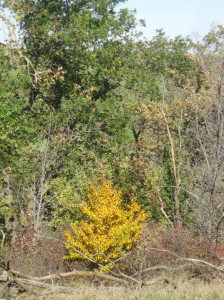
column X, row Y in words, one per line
column 85, row 99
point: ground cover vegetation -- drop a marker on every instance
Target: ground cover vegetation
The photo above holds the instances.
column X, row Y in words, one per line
column 111, row 148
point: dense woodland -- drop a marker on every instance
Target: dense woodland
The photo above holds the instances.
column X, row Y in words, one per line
column 90, row 108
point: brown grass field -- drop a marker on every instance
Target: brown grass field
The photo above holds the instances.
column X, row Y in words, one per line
column 187, row 290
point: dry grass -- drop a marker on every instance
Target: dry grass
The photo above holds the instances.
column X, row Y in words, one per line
column 187, row 290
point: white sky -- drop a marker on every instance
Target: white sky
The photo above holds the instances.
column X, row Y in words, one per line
column 178, row 17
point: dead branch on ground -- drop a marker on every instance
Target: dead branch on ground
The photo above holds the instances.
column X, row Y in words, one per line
column 145, row 277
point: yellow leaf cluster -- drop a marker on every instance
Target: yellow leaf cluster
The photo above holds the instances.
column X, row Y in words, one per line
column 108, row 230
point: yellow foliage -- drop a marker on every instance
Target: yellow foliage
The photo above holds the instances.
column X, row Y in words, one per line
column 108, row 230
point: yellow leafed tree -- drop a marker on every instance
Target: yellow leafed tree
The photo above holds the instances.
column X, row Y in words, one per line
column 109, row 228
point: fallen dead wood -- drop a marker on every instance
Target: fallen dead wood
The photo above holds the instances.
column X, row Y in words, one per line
column 162, row 268
column 22, row 280
column 53, row 287
column 203, row 263
column 140, row 278
column 70, row 274
column 193, row 261
column 11, row 278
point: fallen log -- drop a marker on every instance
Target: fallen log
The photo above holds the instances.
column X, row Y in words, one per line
column 52, row 287
column 22, row 280
column 70, row 274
